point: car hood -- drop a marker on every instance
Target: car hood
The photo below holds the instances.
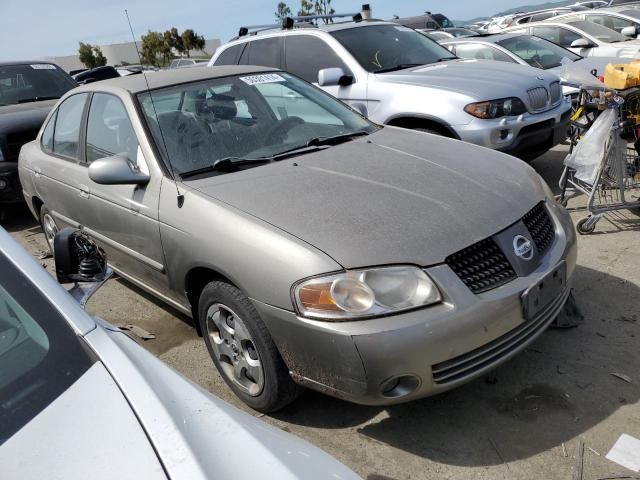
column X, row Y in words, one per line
column 479, row 79
column 24, row 115
column 394, row 197
column 199, row 436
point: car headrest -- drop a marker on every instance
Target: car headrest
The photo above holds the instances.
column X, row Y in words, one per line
column 223, row 107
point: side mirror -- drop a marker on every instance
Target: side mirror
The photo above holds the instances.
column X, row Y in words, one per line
column 361, row 108
column 331, row 77
column 581, row 43
column 629, row 32
column 78, row 259
column 116, row 170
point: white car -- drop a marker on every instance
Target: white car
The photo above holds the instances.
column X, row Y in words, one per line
column 624, row 20
column 584, row 38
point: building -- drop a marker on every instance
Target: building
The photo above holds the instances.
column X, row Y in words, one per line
column 125, row 53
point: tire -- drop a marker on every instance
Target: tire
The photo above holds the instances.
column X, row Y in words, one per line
column 49, row 226
column 242, row 349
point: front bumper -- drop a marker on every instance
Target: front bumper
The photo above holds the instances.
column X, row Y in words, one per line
column 356, row 360
column 10, row 190
column 526, row 136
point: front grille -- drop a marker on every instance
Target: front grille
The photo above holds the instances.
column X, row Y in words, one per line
column 541, row 228
column 484, row 357
column 481, row 266
column 538, row 98
column 15, row 141
column 555, row 92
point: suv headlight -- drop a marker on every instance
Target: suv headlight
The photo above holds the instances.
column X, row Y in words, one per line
column 365, row 293
column 503, row 107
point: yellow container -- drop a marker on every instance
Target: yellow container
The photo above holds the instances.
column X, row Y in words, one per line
column 621, row 76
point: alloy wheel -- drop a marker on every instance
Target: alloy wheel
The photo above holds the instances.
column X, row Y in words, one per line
column 234, row 349
column 50, row 229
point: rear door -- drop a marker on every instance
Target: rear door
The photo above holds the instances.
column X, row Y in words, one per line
column 60, row 178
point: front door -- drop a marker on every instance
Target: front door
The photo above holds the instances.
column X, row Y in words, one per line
column 123, row 218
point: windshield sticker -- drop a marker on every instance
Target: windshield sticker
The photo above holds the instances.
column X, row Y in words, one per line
column 43, row 66
column 264, row 78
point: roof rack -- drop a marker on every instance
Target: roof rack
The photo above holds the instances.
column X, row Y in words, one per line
column 289, row 23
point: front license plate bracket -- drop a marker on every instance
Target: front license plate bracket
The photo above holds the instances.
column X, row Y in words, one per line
column 538, row 296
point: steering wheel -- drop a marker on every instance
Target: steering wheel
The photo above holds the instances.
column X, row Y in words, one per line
column 279, row 130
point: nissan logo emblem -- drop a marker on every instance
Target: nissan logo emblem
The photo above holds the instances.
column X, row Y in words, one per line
column 522, row 247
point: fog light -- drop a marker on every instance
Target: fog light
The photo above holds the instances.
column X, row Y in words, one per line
column 398, row 387
column 504, row 134
column 3, row 184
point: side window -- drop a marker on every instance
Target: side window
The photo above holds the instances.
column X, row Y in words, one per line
column 47, row 135
column 230, row 56
column 481, row 52
column 306, row 55
column 542, row 16
column 66, row 139
column 614, row 23
column 265, row 52
column 109, row 130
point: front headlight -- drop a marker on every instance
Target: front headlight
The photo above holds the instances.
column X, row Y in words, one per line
column 365, row 293
column 503, row 107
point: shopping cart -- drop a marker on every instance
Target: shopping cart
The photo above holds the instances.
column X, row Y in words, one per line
column 615, row 182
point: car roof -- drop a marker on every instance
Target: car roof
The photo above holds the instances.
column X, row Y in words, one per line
column 167, row 78
column 26, row 62
column 491, row 38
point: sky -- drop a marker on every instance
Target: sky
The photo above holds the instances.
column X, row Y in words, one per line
column 34, row 29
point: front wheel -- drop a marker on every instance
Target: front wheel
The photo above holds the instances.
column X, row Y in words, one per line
column 242, row 349
column 49, row 227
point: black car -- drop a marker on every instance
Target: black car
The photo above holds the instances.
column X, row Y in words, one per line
column 28, row 90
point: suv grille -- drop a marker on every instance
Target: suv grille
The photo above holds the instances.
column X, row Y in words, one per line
column 540, row 227
column 538, row 98
column 555, row 92
column 482, row 266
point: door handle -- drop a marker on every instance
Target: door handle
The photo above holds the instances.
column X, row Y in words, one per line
column 84, row 191
column 37, row 172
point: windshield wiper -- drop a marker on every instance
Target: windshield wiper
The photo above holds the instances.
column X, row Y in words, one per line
column 336, row 139
column 225, row 163
column 445, row 59
column 37, row 99
column 401, row 66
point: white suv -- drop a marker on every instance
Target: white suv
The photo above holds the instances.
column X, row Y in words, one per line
column 397, row 76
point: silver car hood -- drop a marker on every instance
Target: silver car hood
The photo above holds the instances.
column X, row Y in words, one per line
column 396, row 196
column 198, row 436
column 479, row 79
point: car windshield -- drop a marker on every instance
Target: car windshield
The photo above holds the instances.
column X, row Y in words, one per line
column 443, row 21
column 246, row 117
column 40, row 356
column 631, row 13
column 538, row 52
column 380, row 48
column 603, row 34
column 30, row 83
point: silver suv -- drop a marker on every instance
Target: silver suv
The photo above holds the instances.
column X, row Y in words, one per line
column 396, row 76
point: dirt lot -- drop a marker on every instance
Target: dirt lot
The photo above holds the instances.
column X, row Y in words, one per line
column 512, row 424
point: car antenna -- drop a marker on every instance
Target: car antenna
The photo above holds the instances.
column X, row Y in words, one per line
column 180, row 196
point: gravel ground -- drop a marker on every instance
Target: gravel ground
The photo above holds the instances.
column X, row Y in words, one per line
column 514, row 424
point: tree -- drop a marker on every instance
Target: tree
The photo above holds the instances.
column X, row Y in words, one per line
column 174, row 39
column 306, row 8
column 91, row 55
column 323, row 7
column 192, row 41
column 283, row 11
column 152, row 47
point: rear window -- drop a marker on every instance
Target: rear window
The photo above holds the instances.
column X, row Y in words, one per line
column 32, row 83
column 40, row 355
